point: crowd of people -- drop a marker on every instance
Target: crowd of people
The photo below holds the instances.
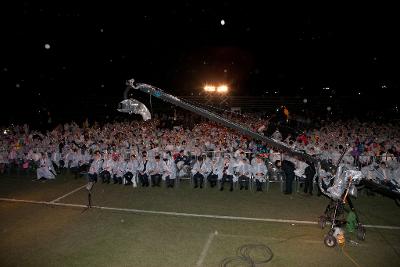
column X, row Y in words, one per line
column 141, row 152
column 370, row 147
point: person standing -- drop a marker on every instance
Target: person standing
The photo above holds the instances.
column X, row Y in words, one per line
column 309, row 173
column 288, row 168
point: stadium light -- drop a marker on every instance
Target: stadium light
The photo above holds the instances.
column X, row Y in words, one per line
column 222, row 89
column 219, row 89
column 209, row 88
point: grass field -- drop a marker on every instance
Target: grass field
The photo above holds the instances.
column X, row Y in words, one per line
column 120, row 231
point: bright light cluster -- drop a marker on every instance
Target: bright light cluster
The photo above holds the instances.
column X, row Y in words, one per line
column 209, row 88
column 219, row 89
column 222, row 89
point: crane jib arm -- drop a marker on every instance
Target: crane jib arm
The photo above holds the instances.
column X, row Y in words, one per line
column 154, row 91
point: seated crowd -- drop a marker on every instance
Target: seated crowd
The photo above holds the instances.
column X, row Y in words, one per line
column 131, row 152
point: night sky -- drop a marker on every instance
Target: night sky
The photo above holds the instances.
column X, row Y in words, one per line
column 73, row 59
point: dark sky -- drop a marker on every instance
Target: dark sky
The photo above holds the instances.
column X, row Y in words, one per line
column 65, row 57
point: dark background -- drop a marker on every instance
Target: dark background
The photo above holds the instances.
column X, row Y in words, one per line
column 287, row 53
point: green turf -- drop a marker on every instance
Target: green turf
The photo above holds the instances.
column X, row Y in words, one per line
column 38, row 235
column 22, row 187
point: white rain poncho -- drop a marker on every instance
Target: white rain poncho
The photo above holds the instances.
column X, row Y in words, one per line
column 342, row 180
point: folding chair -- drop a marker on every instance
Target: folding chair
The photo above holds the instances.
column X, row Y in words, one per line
column 299, row 181
column 279, row 179
column 186, row 176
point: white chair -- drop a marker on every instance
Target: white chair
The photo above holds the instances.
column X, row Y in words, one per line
column 184, row 174
column 275, row 179
column 275, row 175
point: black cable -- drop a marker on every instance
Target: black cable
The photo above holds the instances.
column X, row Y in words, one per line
column 236, row 261
column 246, row 256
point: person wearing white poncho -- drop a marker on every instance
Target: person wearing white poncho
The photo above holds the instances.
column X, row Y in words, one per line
column 143, row 170
column 259, row 171
column 169, row 170
column 156, row 171
column 214, row 166
column 107, row 168
column 244, row 171
column 130, row 171
column 226, row 173
column 95, row 167
column 199, row 171
column 55, row 159
column 45, row 170
column 118, row 169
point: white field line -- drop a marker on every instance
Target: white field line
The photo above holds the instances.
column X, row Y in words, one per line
column 43, row 202
column 205, row 249
column 67, row 194
column 185, row 214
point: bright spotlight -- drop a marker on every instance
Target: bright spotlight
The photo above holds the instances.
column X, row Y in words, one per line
column 209, row 88
column 222, row 89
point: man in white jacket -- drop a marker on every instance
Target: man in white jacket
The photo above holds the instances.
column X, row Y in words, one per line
column 95, row 167
column 156, row 171
column 55, row 159
column 131, row 170
column 107, row 168
column 169, row 170
column 259, row 171
column 118, row 169
column 199, row 171
column 214, row 167
column 45, row 170
column 244, row 171
column 143, row 170
column 227, row 173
